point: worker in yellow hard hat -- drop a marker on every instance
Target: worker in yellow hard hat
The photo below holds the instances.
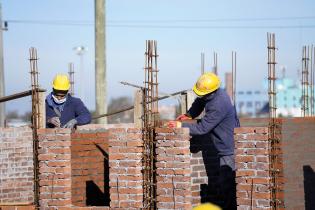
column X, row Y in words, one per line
column 218, row 125
column 62, row 109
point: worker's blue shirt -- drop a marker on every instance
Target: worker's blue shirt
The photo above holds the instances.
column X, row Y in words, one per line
column 219, row 120
column 72, row 108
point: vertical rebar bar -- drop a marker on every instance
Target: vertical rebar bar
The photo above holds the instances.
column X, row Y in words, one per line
column 273, row 142
column 305, row 82
column 202, row 63
column 271, row 75
column 150, row 121
column 215, row 63
column 234, row 77
column 71, row 78
column 312, row 81
column 35, row 120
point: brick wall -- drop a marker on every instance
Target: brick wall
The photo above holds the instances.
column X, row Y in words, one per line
column 298, row 137
column 55, row 167
column 18, row 207
column 125, row 161
column 252, row 163
column 173, row 169
column 205, row 168
column 90, row 171
column 16, row 165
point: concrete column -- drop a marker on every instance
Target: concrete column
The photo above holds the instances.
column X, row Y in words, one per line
column 42, row 109
column 138, row 108
column 100, row 61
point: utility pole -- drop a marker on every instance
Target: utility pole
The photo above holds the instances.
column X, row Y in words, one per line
column 100, row 61
column 2, row 86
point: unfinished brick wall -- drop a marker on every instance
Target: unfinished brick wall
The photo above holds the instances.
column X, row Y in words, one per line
column 252, row 163
column 173, row 169
column 298, row 137
column 16, row 165
column 125, row 161
column 90, row 170
column 55, row 167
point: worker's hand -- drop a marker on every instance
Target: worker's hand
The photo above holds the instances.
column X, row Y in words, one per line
column 174, row 124
column 54, row 121
column 70, row 124
column 183, row 117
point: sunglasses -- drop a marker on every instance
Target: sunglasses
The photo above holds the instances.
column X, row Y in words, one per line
column 60, row 93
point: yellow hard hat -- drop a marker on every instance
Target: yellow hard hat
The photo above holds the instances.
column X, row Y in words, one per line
column 61, row 82
column 207, row 83
column 207, row 206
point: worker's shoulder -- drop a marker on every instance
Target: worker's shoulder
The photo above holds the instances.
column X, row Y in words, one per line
column 74, row 100
column 221, row 100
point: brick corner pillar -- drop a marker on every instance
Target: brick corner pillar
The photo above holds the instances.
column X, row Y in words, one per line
column 125, row 168
column 173, row 169
column 54, row 156
column 252, row 168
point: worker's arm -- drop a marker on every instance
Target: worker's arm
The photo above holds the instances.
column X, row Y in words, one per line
column 214, row 114
column 83, row 116
column 52, row 120
column 196, row 108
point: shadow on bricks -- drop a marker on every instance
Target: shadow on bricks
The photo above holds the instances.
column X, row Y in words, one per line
column 309, row 190
column 207, row 168
column 94, row 195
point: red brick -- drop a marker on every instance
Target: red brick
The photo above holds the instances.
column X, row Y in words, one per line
column 245, row 173
column 245, row 130
column 244, row 158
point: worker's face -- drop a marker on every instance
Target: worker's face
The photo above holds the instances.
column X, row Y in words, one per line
column 60, row 96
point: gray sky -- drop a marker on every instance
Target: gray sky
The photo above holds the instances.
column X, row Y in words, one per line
column 182, row 28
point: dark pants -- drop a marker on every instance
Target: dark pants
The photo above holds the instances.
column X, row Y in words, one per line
column 227, row 186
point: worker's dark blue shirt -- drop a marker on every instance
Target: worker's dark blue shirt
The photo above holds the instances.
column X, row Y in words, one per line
column 72, row 108
column 218, row 122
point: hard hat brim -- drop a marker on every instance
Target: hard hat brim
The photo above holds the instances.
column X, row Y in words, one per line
column 64, row 89
column 202, row 93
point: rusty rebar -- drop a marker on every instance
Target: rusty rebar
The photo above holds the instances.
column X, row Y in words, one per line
column 305, row 81
column 273, row 139
column 271, row 75
column 71, row 78
column 19, row 95
column 150, row 121
column 35, row 120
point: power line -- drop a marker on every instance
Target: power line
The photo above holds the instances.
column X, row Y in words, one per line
column 168, row 21
column 86, row 23
column 214, row 27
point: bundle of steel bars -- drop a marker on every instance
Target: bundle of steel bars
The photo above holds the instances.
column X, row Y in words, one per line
column 35, row 119
column 150, row 121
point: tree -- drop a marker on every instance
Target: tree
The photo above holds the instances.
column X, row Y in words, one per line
column 117, row 104
column 27, row 116
column 12, row 115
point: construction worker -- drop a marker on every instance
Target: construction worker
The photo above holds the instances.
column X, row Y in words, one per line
column 63, row 110
column 218, row 123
